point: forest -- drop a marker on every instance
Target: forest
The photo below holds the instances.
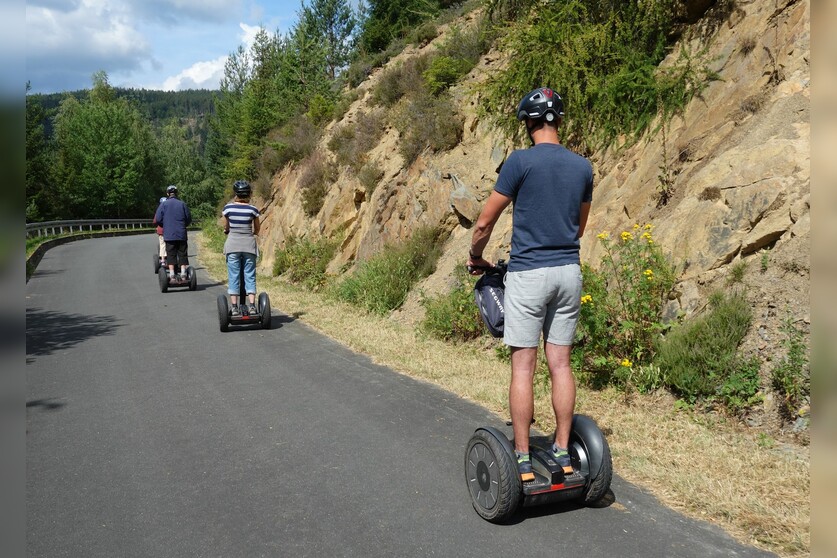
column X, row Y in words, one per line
column 110, row 152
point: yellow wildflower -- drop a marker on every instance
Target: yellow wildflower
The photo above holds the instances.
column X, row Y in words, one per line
column 646, row 236
column 648, row 226
column 626, row 236
column 636, row 226
column 626, row 363
column 648, row 273
column 603, row 236
column 586, row 298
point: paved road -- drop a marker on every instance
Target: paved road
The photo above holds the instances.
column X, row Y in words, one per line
column 152, row 434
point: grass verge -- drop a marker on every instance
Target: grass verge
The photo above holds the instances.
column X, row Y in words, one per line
column 702, row 465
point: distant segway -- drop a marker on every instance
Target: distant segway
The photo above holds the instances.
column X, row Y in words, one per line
column 494, row 483
column 166, row 282
column 225, row 317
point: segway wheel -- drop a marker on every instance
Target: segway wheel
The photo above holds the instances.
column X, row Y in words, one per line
column 223, row 313
column 193, row 278
column 264, row 310
column 491, row 474
column 156, row 263
column 163, row 278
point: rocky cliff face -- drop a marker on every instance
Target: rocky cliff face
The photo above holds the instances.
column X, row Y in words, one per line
column 736, row 160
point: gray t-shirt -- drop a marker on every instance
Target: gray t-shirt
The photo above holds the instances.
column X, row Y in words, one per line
column 547, row 183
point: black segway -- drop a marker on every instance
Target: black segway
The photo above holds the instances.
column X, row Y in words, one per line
column 490, row 462
column 496, row 488
column 166, row 282
column 225, row 317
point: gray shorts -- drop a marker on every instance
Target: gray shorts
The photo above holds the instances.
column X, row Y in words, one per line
column 542, row 300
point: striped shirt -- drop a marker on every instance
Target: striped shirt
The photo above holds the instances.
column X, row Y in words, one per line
column 241, row 216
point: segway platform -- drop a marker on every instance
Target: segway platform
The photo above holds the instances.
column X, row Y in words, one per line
column 261, row 317
column 166, row 282
column 494, row 483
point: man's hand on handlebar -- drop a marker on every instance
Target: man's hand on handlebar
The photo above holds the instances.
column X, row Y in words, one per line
column 478, row 266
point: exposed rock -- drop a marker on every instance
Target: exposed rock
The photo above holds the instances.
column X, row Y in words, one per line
column 464, row 202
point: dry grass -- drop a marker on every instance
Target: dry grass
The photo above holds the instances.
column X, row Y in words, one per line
column 702, row 465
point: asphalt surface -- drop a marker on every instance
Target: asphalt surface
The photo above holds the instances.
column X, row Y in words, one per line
column 152, row 434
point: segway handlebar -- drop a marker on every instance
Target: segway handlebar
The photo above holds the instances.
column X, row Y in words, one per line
column 499, row 268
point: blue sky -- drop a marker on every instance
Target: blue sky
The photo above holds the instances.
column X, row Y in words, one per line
column 151, row 44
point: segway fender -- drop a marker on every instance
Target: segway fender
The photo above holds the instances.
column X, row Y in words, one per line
column 504, row 441
column 586, row 428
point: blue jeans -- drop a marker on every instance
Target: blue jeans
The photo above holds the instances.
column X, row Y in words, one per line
column 234, row 260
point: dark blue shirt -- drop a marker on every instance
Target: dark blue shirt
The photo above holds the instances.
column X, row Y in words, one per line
column 547, row 183
column 174, row 216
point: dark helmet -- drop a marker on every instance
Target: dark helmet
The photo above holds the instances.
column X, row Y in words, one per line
column 172, row 189
column 541, row 103
column 242, row 188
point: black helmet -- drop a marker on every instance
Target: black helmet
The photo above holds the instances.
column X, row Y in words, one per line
column 172, row 189
column 242, row 188
column 542, row 102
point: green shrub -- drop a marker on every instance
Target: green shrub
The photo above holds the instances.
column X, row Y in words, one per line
column 317, row 176
column 428, row 122
column 381, row 283
column 737, row 272
column 468, row 44
column 305, row 261
column 621, row 308
column 321, row 109
column 444, row 71
column 400, row 80
column 453, row 316
column 352, row 142
column 700, row 357
column 369, row 176
column 741, row 389
column 343, row 103
column 790, row 375
column 290, row 143
column 602, row 57
column 423, row 34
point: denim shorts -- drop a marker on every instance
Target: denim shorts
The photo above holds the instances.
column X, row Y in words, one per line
column 545, row 300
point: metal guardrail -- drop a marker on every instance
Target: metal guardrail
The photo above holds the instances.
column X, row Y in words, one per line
column 51, row 228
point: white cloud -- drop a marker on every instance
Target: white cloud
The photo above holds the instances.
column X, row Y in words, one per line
column 207, row 75
column 202, row 75
column 249, row 35
column 66, row 47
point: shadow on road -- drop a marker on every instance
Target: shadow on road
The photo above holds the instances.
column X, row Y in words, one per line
column 46, row 272
column 45, row 404
column 48, row 331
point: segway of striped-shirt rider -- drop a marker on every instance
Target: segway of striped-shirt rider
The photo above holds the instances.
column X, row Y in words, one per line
column 175, row 217
column 241, row 225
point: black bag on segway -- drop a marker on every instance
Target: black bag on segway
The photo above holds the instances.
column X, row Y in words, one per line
column 488, row 294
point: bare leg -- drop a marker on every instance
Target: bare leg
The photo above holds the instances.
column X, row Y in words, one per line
column 563, row 390
column 521, row 394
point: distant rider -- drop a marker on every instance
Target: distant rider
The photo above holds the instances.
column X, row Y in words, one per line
column 175, row 217
column 241, row 225
column 162, row 242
